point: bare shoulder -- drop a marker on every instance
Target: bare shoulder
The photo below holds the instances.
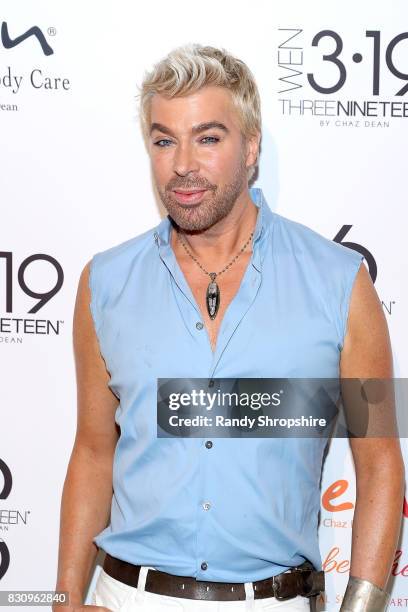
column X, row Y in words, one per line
column 367, row 348
column 96, row 403
column 367, row 353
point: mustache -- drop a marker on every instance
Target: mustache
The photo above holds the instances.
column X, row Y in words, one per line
column 178, row 183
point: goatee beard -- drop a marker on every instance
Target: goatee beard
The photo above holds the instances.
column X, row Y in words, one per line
column 216, row 203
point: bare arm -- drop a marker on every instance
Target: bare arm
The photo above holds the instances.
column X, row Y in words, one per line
column 87, row 492
column 380, row 475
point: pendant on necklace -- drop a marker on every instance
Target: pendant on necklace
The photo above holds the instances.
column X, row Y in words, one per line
column 213, row 296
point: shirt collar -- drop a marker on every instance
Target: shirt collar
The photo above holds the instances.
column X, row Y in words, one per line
column 263, row 223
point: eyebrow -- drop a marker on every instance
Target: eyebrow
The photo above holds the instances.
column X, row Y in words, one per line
column 201, row 127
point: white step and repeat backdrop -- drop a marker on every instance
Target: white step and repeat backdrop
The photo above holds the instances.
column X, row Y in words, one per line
column 75, row 180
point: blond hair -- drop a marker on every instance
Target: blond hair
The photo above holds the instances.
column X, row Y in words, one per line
column 190, row 67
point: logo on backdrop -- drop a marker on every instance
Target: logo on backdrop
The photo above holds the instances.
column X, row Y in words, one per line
column 8, row 517
column 317, row 70
column 37, row 78
column 7, row 479
column 9, row 42
column 388, row 306
column 15, row 285
column 4, row 558
column 372, row 265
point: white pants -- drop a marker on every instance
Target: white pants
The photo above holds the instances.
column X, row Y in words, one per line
column 120, row 597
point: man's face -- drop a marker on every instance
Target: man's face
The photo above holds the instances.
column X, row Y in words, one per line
column 199, row 156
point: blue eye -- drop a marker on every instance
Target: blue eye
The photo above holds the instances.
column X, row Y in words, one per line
column 164, row 142
column 210, row 138
column 160, row 141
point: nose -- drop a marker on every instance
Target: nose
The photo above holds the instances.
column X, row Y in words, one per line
column 185, row 160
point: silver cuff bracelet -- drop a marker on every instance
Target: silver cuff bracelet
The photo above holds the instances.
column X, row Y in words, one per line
column 364, row 596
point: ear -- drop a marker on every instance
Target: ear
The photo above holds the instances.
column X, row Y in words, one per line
column 252, row 149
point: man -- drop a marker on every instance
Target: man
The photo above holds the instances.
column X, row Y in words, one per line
column 221, row 288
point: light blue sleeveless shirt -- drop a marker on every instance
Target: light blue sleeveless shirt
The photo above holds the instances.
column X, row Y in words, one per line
column 227, row 509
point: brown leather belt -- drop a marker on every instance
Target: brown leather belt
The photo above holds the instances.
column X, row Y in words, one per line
column 301, row 580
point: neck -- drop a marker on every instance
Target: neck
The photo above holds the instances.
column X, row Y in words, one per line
column 224, row 239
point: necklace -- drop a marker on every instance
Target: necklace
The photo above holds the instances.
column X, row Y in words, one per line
column 213, row 294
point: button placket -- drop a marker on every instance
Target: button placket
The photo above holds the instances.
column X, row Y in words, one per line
column 192, row 318
column 205, row 504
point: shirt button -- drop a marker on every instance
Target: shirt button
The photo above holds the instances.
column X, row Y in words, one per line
column 206, row 505
column 199, row 325
column 209, row 444
column 204, row 565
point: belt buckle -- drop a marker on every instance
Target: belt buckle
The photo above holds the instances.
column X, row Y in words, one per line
column 308, row 585
column 276, row 588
